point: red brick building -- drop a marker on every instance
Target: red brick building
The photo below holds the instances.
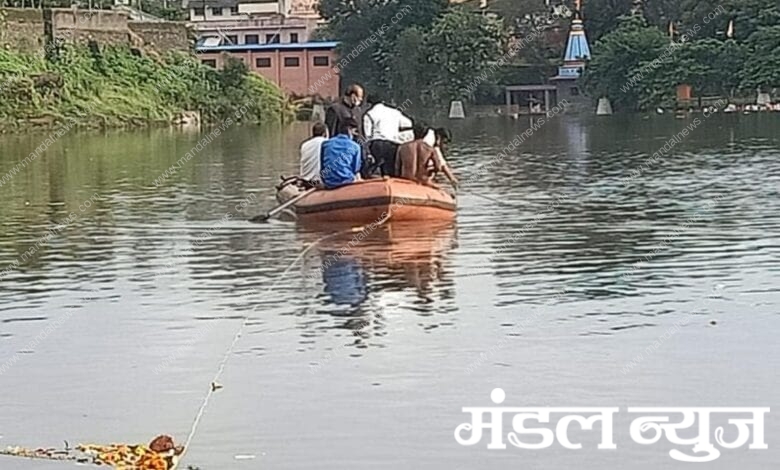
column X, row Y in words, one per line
column 303, row 69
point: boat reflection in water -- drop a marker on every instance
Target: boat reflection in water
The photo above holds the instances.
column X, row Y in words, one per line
column 368, row 276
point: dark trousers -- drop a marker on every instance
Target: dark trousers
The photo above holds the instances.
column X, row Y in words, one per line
column 384, row 152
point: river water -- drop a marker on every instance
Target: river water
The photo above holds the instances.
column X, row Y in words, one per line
column 579, row 273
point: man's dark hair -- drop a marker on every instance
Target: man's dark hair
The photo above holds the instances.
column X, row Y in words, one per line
column 319, row 130
column 347, row 125
column 419, row 129
column 443, row 134
column 353, row 89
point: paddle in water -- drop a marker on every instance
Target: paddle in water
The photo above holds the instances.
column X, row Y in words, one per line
column 278, row 209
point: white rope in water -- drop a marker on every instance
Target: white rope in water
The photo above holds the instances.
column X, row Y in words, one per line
column 239, row 332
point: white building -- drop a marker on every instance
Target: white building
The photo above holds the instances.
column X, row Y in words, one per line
column 239, row 22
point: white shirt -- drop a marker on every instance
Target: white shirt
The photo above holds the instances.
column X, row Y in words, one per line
column 408, row 136
column 430, row 138
column 310, row 158
column 384, row 122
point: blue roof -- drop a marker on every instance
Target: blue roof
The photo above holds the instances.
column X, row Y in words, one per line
column 267, row 47
column 577, row 48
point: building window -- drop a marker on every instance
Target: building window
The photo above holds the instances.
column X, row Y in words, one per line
column 231, row 39
column 198, row 11
column 292, row 62
column 209, row 62
column 251, row 39
column 272, row 39
column 293, row 37
column 321, row 61
column 263, row 62
column 234, row 11
column 216, row 11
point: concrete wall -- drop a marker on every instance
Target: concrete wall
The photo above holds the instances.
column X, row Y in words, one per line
column 29, row 30
column 295, row 80
column 21, row 29
column 261, row 26
column 80, row 26
column 260, row 8
column 162, row 36
column 305, row 8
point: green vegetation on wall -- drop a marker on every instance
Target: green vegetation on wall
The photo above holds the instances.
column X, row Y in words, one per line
column 116, row 87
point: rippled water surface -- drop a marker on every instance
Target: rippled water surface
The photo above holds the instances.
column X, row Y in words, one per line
column 579, row 273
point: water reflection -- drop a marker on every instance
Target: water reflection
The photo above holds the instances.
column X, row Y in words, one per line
column 397, row 266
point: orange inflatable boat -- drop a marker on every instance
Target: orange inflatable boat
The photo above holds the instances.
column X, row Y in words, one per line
column 372, row 200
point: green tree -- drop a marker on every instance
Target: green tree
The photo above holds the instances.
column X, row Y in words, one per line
column 661, row 12
column 409, row 69
column 602, row 16
column 763, row 59
column 171, row 10
column 518, row 12
column 462, row 47
column 368, row 31
column 713, row 18
column 619, row 57
column 710, row 65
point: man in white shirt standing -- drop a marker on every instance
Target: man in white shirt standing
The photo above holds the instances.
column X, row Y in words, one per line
column 311, row 150
column 384, row 128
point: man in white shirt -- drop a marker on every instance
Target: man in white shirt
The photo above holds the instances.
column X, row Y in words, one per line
column 384, row 127
column 383, row 122
column 311, row 150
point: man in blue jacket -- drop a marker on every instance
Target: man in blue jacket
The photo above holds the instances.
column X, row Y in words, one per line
column 341, row 157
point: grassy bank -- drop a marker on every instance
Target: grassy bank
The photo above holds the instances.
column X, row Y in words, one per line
column 114, row 87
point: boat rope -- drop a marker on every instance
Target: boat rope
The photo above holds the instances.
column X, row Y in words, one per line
column 214, row 384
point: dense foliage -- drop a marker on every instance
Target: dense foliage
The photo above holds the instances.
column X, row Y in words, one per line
column 640, row 62
column 642, row 49
column 116, row 87
column 426, row 50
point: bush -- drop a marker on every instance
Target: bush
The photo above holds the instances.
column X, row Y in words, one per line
column 118, row 87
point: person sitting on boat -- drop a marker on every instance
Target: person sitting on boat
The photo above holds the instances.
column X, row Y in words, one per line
column 417, row 160
column 383, row 125
column 342, row 157
column 349, row 107
column 311, row 153
column 442, row 138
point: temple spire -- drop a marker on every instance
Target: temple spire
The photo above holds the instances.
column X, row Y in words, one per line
column 577, row 47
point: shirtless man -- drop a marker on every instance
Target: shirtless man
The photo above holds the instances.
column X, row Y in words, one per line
column 417, row 161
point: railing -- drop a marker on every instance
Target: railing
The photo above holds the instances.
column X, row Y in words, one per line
column 241, row 22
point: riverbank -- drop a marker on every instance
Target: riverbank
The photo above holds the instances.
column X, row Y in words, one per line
column 116, row 87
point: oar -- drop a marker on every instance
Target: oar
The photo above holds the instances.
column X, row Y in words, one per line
column 263, row 217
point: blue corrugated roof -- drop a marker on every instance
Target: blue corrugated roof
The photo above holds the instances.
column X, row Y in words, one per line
column 268, row 47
